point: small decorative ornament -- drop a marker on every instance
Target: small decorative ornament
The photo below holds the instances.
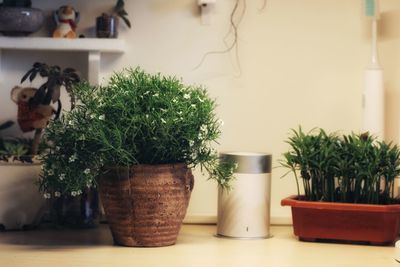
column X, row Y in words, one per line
column 30, row 117
column 66, row 18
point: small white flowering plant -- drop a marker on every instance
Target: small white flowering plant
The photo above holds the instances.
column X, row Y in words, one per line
column 69, row 166
column 138, row 118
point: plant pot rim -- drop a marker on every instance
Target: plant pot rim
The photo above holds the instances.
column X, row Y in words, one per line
column 136, row 167
column 294, row 202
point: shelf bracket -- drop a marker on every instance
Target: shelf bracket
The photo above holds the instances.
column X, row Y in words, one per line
column 94, row 67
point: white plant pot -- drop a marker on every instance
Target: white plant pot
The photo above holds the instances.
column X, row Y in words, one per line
column 244, row 211
column 21, row 204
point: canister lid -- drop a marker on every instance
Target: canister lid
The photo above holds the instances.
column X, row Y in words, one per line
column 249, row 162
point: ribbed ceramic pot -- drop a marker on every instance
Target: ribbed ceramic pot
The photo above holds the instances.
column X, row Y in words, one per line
column 145, row 204
column 20, row 21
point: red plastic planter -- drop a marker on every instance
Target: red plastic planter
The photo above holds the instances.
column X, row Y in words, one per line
column 377, row 224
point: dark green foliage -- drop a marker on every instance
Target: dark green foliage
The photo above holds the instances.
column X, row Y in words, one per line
column 351, row 168
column 50, row 91
column 119, row 9
column 138, row 118
column 55, row 78
column 6, row 125
column 15, row 149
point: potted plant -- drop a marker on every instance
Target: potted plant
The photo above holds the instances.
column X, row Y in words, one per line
column 20, row 204
column 107, row 24
column 18, row 18
column 36, row 105
column 348, row 184
column 138, row 138
column 69, row 174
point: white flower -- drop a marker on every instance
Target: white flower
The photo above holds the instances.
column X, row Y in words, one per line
column 156, row 94
column 203, row 128
column 147, row 116
column 146, row 93
column 74, row 193
column 191, row 143
column 57, row 194
column 86, row 171
column 62, row 176
column 92, row 116
column 102, row 117
column 47, row 195
column 50, row 172
column 186, row 96
column 163, row 110
column 70, row 122
column 72, row 158
column 179, row 112
column 163, row 121
column 193, row 105
column 79, row 192
column 174, row 100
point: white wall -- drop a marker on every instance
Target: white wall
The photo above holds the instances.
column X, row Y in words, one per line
column 301, row 62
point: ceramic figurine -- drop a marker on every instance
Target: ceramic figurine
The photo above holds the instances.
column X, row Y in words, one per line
column 66, row 18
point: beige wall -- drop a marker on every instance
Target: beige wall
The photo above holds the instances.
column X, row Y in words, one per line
column 302, row 63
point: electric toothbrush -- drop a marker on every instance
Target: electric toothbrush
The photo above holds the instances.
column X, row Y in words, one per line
column 373, row 96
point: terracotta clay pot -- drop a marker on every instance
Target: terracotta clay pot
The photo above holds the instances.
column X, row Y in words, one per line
column 376, row 224
column 146, row 204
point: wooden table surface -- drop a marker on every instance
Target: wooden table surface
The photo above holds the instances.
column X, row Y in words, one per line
column 196, row 246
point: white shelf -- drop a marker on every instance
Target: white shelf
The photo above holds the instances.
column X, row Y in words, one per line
column 52, row 44
column 93, row 46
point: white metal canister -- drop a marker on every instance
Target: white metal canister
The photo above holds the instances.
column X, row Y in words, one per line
column 244, row 211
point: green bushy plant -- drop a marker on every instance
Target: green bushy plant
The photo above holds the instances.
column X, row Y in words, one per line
column 349, row 168
column 138, row 118
column 14, row 149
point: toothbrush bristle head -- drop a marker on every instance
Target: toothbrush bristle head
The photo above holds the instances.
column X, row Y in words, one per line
column 371, row 8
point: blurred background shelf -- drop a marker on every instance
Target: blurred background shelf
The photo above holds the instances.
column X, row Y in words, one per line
column 93, row 46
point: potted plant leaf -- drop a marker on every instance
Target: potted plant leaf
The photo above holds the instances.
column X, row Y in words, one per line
column 18, row 18
column 138, row 138
column 107, row 24
column 20, row 204
column 348, row 187
column 35, row 106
